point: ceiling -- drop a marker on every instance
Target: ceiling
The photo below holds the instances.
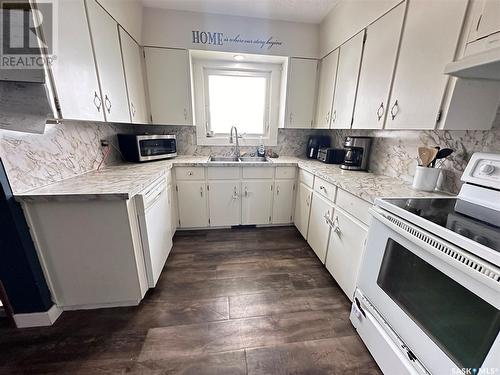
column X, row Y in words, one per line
column 310, row 11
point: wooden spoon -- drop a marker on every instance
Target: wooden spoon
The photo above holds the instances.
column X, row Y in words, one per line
column 427, row 155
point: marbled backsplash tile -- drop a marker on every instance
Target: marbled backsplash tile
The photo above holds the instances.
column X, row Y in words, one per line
column 73, row 147
column 394, row 153
column 63, row 151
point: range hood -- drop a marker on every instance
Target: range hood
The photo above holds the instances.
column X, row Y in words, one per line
column 483, row 65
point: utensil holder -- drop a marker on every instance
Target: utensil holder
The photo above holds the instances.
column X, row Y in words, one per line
column 425, row 178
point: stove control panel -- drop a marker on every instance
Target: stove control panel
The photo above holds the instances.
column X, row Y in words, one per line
column 483, row 170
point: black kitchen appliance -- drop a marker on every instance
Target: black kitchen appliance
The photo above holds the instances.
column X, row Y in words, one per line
column 146, row 147
column 357, row 153
column 315, row 143
column 330, row 155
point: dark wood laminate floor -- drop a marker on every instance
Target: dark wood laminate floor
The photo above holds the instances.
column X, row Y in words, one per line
column 245, row 301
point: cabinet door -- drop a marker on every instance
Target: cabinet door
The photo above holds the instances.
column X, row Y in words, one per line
column 104, row 32
column 169, row 85
column 74, row 70
column 326, row 87
column 192, row 199
column 429, row 42
column 345, row 250
column 486, row 20
column 284, row 194
column 302, row 209
column 256, row 202
column 224, row 203
column 319, row 229
column 377, row 69
column 301, row 93
column 347, row 82
column 132, row 62
column 172, row 200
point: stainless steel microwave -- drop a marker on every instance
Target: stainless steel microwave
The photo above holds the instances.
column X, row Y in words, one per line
column 146, row 147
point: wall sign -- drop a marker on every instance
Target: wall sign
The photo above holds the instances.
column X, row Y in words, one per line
column 219, row 39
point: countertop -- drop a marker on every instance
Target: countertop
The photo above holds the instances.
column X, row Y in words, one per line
column 124, row 181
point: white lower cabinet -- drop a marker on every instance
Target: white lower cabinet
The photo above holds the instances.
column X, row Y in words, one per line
column 224, row 203
column 302, row 208
column 319, row 229
column 345, row 250
column 256, row 198
column 192, row 201
column 284, row 191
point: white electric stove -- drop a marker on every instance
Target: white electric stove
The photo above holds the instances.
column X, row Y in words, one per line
column 428, row 290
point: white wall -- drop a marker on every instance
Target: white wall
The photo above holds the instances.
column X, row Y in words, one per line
column 170, row 28
column 128, row 13
column 349, row 17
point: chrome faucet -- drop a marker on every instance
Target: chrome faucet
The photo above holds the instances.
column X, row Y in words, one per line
column 237, row 147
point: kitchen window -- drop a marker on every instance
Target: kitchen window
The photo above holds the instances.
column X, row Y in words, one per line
column 245, row 95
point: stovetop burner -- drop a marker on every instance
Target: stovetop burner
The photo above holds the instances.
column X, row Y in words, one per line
column 475, row 222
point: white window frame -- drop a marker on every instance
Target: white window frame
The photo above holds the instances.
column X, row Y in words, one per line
column 272, row 72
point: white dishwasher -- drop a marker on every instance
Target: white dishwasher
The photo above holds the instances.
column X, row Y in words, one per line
column 153, row 210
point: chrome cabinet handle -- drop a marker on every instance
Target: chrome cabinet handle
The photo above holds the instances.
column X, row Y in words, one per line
column 277, row 190
column 201, row 191
column 97, row 101
column 380, row 111
column 107, row 103
column 235, row 193
column 334, row 116
column 190, row 173
column 133, row 109
column 322, row 188
column 290, row 117
column 395, row 110
column 185, row 114
column 328, row 117
column 246, row 191
column 327, row 218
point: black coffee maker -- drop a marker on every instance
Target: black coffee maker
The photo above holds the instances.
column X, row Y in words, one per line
column 315, row 143
column 357, row 153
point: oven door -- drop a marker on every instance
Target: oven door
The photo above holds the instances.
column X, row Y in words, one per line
column 442, row 301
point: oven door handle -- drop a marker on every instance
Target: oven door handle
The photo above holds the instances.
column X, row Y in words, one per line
column 471, row 265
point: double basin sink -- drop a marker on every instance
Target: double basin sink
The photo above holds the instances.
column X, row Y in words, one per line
column 235, row 159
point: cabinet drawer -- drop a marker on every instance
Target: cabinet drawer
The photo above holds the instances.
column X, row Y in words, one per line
column 223, row 173
column 258, row 172
column 285, row 172
column 306, row 178
column 357, row 207
column 325, row 189
column 190, row 173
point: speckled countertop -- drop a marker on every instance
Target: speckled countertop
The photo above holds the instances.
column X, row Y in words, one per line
column 124, row 181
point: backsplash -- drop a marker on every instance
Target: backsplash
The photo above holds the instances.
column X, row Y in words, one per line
column 72, row 148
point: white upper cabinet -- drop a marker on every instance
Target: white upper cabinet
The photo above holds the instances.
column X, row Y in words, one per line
column 326, row 88
column 132, row 62
column 74, row 70
column 429, row 42
column 347, row 82
column 169, row 85
column 486, row 19
column 377, row 69
column 104, row 32
column 301, row 93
